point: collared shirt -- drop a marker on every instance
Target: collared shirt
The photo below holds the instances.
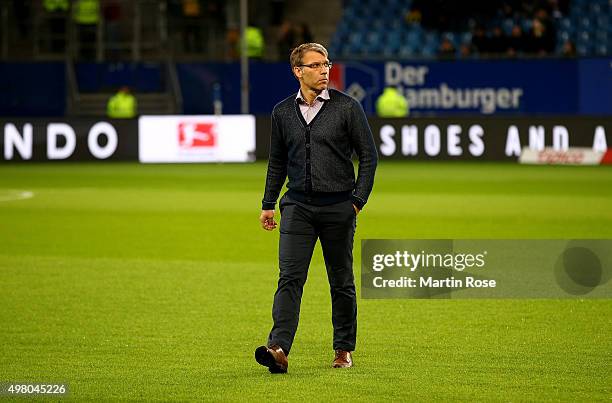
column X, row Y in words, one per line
column 317, row 158
column 309, row 111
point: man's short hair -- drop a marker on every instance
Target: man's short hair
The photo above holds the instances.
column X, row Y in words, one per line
column 297, row 54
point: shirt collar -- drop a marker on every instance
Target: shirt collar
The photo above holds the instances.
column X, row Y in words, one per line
column 323, row 96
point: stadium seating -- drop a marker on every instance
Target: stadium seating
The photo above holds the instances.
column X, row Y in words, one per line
column 380, row 29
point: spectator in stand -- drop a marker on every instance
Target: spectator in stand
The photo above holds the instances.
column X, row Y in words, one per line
column 303, row 34
column 421, row 12
column 568, row 49
column 465, row 51
column 290, row 36
column 392, row 104
column 447, row 49
column 255, row 43
column 192, row 30
column 499, row 42
column 508, row 9
column 480, row 42
column 122, row 105
column 516, row 41
column 86, row 14
column 544, row 16
column 233, row 42
column 541, row 41
column 286, row 40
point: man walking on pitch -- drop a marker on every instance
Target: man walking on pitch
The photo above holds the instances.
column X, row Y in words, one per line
column 314, row 134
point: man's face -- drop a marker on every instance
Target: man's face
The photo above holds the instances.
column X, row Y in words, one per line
column 313, row 78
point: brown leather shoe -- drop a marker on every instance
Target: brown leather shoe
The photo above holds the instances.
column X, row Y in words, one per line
column 272, row 357
column 343, row 359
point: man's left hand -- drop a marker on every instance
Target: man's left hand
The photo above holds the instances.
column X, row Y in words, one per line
column 356, row 209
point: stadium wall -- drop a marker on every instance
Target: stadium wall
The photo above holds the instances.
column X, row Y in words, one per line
column 243, row 138
column 34, row 140
column 550, row 87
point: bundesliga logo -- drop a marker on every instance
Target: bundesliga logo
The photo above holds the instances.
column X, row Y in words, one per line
column 197, row 135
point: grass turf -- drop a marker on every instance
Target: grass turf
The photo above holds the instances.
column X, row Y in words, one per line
column 156, row 282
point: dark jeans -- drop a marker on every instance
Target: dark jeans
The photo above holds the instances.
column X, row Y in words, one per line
column 301, row 224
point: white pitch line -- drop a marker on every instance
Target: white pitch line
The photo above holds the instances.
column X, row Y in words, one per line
column 12, row 195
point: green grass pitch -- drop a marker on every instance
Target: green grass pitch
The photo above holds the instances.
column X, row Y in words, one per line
column 155, row 282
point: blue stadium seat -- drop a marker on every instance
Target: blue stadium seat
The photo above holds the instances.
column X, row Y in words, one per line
column 396, row 24
column 335, row 50
column 584, row 23
column 526, row 24
column 451, row 37
column 378, row 28
column 392, row 38
column 507, row 25
column 584, row 38
column 396, row 4
column 356, row 38
column 407, row 50
column 601, row 36
column 391, row 49
column 374, row 38
column 373, row 49
column 349, row 14
column 466, row 37
column 432, row 38
column 430, row 50
column 603, row 21
column 566, row 25
column 563, row 36
column 414, row 37
column 354, row 50
column 594, row 9
column 379, row 24
column 602, row 49
column 389, row 12
column 582, row 50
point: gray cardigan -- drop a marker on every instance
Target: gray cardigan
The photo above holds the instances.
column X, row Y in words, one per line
column 317, row 156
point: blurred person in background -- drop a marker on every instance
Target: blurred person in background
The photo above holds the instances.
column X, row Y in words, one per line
column 480, row 41
column 446, row 50
column 192, row 26
column 255, row 42
column 86, row 14
column 314, row 134
column 516, row 41
column 57, row 12
column 291, row 36
column 465, row 51
column 541, row 41
column 232, row 39
column 391, row 104
column 112, row 22
column 303, row 34
column 286, row 39
column 122, row 105
column 568, row 49
column 498, row 41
